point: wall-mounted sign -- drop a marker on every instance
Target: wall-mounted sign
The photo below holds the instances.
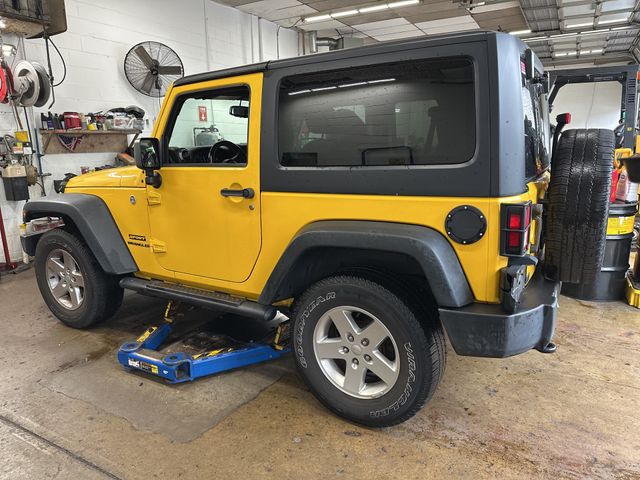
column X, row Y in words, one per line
column 202, row 113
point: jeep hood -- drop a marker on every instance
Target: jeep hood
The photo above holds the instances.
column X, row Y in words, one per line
column 113, row 177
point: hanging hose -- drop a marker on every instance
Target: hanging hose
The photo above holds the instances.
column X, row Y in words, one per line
column 47, row 40
column 33, row 135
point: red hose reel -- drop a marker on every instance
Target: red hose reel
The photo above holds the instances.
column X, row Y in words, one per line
column 5, row 78
column 29, row 85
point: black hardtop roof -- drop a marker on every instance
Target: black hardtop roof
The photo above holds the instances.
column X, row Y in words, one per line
column 378, row 48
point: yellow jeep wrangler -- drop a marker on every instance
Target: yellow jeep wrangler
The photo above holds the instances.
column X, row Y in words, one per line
column 378, row 196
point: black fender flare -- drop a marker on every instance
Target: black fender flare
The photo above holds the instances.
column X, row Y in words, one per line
column 94, row 222
column 426, row 246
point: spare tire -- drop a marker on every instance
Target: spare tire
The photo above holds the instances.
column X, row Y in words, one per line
column 578, row 207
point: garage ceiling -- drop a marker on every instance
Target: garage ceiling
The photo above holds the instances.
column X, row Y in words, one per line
column 561, row 32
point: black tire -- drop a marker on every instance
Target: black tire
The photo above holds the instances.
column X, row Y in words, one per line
column 420, row 346
column 102, row 296
column 417, row 292
column 577, row 213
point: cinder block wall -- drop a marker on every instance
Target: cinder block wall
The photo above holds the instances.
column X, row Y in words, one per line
column 206, row 36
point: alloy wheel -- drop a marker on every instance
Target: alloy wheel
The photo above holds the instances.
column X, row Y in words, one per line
column 65, row 279
column 356, row 352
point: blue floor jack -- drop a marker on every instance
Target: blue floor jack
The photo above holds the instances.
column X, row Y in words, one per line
column 200, row 353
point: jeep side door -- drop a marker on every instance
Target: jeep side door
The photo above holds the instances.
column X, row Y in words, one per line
column 205, row 217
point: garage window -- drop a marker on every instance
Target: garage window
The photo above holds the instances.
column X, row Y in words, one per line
column 410, row 113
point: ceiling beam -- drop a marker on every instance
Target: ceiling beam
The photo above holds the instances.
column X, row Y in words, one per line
column 597, row 14
column 589, row 60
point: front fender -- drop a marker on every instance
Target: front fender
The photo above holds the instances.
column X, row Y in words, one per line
column 92, row 218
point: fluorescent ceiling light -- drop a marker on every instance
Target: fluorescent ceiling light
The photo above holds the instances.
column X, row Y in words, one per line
column 606, row 22
column 591, row 52
column 578, row 25
column 346, row 85
column 322, row 89
column 404, row 3
column 564, row 54
column 520, row 32
column 375, row 8
column 596, row 32
column 357, row 84
column 299, row 92
column 579, row 34
column 575, row 34
column 346, row 13
column 317, row 18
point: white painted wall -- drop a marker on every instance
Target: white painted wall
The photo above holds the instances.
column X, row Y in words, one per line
column 206, row 36
column 591, row 105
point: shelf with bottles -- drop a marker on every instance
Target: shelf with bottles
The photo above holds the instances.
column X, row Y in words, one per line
column 93, row 121
column 88, row 141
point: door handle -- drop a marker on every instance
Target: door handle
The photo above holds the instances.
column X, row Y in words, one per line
column 241, row 192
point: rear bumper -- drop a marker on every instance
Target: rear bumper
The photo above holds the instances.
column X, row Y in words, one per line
column 484, row 330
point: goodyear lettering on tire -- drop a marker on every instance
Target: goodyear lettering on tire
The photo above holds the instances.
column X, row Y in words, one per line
column 301, row 324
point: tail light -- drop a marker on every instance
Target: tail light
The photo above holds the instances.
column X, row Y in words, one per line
column 515, row 221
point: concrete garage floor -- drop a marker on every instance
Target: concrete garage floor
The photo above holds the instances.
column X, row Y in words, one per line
column 68, row 410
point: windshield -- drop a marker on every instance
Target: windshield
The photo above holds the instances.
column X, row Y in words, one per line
column 536, row 128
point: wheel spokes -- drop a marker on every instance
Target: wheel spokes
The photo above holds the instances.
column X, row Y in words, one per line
column 59, row 290
column 375, row 333
column 329, row 348
column 352, row 356
column 386, row 370
column 69, row 262
column 343, row 320
column 354, row 378
column 75, row 296
column 65, row 279
column 77, row 279
column 55, row 266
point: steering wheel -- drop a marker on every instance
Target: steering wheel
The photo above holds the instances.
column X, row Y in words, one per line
column 234, row 152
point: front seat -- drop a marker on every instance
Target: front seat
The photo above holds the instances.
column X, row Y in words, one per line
column 345, row 137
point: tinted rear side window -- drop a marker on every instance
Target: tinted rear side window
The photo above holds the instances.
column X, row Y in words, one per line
column 536, row 129
column 401, row 114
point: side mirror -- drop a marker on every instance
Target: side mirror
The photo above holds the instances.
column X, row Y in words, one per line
column 239, row 111
column 146, row 154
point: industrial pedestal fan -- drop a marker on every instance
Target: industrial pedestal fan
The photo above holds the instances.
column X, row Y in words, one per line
column 151, row 67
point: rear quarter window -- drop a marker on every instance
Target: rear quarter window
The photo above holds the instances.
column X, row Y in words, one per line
column 536, row 129
column 398, row 114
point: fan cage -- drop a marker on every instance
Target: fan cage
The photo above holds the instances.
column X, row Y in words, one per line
column 136, row 71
